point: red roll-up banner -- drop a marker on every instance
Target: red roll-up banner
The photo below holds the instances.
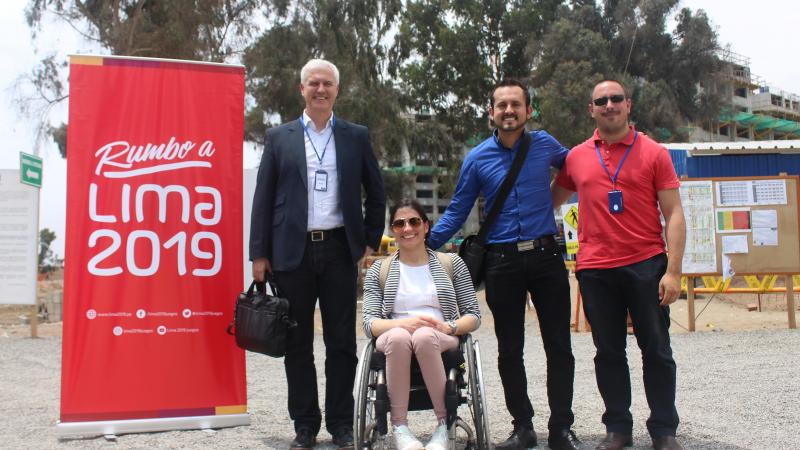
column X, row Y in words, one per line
column 153, row 257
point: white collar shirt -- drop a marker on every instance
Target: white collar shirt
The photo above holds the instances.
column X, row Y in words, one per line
column 324, row 207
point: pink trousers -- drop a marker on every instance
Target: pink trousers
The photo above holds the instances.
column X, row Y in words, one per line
column 427, row 344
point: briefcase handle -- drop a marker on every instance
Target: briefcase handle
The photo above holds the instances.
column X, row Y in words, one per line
column 261, row 286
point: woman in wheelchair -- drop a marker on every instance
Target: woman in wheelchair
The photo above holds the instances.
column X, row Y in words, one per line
column 419, row 306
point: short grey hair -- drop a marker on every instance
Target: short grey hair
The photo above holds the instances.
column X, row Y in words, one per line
column 316, row 64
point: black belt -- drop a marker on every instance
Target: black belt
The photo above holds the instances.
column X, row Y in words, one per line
column 523, row 246
column 323, row 235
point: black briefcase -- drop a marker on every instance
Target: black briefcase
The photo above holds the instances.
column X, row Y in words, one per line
column 261, row 322
column 473, row 252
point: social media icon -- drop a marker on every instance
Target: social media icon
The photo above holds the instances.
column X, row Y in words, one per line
column 117, row 331
column 141, row 313
column 162, row 330
column 187, row 313
column 91, row 314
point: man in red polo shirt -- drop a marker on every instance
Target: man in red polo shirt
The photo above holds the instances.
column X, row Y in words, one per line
column 622, row 178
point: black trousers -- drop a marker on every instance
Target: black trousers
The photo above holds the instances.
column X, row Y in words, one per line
column 608, row 295
column 326, row 273
column 510, row 274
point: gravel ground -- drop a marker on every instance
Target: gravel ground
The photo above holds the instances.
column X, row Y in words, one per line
column 736, row 390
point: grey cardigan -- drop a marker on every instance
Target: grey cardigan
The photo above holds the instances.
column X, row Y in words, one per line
column 456, row 297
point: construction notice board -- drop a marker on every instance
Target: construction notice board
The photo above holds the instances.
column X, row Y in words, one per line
column 741, row 225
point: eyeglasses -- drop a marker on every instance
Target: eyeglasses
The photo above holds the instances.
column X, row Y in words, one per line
column 602, row 101
column 399, row 224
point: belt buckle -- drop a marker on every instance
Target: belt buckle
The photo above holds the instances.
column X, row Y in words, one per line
column 317, row 236
column 523, row 246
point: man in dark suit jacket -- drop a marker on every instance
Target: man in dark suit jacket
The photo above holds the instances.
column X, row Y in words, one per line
column 309, row 231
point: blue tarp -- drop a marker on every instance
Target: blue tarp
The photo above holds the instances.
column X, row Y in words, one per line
column 742, row 165
column 679, row 161
column 734, row 165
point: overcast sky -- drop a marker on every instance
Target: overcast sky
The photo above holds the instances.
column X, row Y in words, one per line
column 762, row 31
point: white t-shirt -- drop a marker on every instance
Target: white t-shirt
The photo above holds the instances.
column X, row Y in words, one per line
column 416, row 294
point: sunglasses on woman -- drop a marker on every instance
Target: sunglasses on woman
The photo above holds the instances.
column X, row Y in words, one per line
column 603, row 101
column 399, row 224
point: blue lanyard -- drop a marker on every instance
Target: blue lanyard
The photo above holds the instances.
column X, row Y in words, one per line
column 324, row 149
column 621, row 162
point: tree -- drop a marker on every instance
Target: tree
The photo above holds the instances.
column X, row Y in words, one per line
column 354, row 35
column 448, row 55
column 350, row 34
column 48, row 261
column 627, row 40
column 210, row 30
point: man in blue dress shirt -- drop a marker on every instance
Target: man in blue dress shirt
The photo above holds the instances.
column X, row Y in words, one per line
column 522, row 257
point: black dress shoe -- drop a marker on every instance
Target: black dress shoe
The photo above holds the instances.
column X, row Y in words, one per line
column 666, row 443
column 343, row 438
column 521, row 438
column 304, row 440
column 563, row 440
column 615, row 441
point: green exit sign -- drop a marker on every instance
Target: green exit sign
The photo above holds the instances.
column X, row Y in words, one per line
column 30, row 169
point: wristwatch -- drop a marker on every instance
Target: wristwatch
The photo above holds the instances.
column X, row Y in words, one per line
column 453, row 327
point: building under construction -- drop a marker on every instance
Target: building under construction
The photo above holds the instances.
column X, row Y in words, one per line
column 752, row 110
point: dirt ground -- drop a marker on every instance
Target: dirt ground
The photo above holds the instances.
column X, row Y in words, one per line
column 714, row 313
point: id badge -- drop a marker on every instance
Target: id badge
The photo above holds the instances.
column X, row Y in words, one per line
column 321, row 180
column 615, row 202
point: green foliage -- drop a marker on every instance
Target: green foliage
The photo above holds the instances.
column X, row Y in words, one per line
column 448, row 55
column 352, row 35
column 564, row 101
column 59, row 135
column 209, row 30
column 182, row 29
column 48, row 261
column 436, row 58
column 628, row 40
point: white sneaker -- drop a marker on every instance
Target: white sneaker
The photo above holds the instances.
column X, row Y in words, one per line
column 438, row 439
column 404, row 439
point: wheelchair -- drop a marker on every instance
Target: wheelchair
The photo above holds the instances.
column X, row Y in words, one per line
column 464, row 389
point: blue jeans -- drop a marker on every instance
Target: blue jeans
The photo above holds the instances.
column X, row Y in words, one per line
column 608, row 295
column 510, row 274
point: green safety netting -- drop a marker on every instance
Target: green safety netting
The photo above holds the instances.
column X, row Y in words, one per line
column 762, row 123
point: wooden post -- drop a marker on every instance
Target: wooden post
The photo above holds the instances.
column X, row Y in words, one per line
column 35, row 319
column 690, row 300
column 790, row 301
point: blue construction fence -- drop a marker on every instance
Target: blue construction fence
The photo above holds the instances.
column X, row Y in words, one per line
column 734, row 165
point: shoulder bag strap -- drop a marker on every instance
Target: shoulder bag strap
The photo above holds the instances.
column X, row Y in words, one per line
column 505, row 188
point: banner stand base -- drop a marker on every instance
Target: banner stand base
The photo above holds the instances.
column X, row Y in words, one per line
column 117, row 427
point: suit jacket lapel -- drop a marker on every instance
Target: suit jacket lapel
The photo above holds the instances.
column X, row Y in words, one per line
column 297, row 143
column 341, row 136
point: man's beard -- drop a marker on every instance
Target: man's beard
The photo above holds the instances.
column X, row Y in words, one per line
column 510, row 128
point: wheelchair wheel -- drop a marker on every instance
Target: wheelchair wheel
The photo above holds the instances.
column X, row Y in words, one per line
column 365, row 430
column 360, row 394
column 477, row 395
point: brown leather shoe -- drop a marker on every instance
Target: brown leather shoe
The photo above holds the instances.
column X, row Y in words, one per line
column 666, row 443
column 615, row 441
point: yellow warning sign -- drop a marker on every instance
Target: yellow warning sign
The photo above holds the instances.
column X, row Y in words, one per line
column 571, row 217
column 569, row 214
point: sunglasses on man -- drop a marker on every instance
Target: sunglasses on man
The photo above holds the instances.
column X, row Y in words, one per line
column 399, row 224
column 603, row 101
